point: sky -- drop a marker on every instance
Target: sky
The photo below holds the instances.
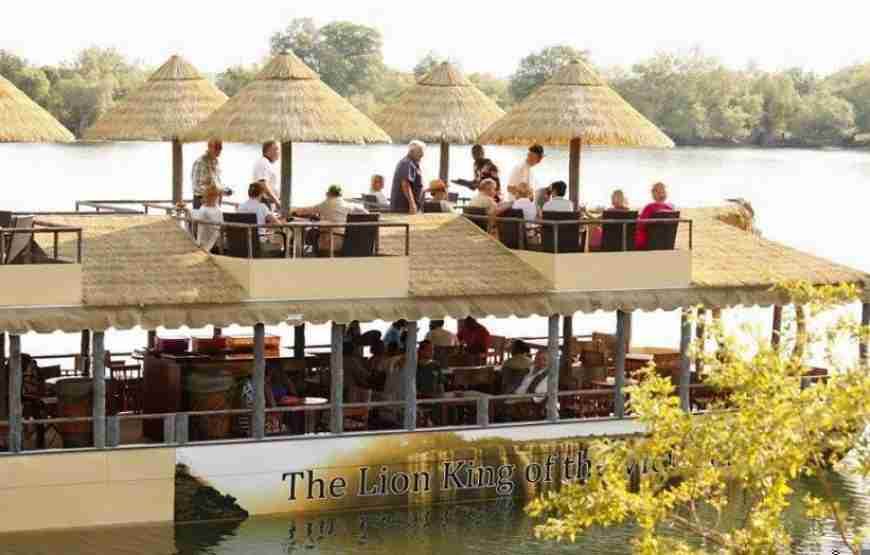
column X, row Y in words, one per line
column 483, row 36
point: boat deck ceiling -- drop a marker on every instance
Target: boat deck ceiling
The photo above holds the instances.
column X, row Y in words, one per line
column 146, row 270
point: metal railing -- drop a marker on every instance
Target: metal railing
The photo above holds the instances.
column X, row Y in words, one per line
column 122, row 206
column 7, row 236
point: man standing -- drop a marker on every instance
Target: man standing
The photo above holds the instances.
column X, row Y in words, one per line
column 523, row 173
column 407, row 190
column 265, row 170
column 206, row 171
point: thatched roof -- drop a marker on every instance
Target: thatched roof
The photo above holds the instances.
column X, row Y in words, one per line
column 444, row 106
column 171, row 102
column 288, row 102
column 576, row 103
column 24, row 121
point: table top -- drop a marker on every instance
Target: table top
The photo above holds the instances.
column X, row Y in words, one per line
column 608, row 384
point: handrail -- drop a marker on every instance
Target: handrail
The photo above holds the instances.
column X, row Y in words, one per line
column 55, row 230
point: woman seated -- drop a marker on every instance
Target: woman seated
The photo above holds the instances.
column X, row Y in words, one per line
column 618, row 201
column 333, row 210
column 438, row 190
column 208, row 231
column 659, row 204
column 376, row 189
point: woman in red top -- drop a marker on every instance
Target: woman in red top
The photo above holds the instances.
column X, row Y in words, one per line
column 659, row 204
column 474, row 337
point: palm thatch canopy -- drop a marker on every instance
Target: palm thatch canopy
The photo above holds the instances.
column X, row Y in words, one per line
column 576, row 103
column 443, row 107
column 24, row 121
column 288, row 102
column 173, row 100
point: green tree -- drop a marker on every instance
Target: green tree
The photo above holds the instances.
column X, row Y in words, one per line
column 428, row 62
column 782, row 105
column 853, row 84
column 494, row 87
column 768, row 428
column 825, row 119
column 539, row 66
column 233, row 79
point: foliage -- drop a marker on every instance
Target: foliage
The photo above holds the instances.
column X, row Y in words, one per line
column 853, row 84
column 774, row 431
column 539, row 66
column 825, row 119
column 493, row 87
column 233, row 79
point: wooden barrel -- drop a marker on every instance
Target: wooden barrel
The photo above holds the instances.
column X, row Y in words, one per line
column 209, row 390
column 75, row 400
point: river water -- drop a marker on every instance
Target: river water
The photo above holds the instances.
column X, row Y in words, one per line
column 810, row 199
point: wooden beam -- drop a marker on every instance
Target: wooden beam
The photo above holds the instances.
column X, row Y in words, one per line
column 152, row 339
column 574, row 171
column 99, row 389
column 777, row 326
column 409, row 379
column 299, row 341
column 258, row 428
column 177, row 171
column 286, row 177
column 336, row 373
column 553, row 369
column 444, row 166
column 685, row 363
column 15, row 380
column 623, row 322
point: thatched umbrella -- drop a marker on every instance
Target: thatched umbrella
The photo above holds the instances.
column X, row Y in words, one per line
column 173, row 100
column 24, row 121
column 576, row 107
column 289, row 103
column 444, row 107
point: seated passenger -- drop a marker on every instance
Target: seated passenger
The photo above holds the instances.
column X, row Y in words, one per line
column 333, row 210
column 485, row 197
column 474, row 337
column 255, row 205
column 617, row 202
column 430, row 380
column 376, row 188
column 438, row 190
column 659, row 204
column 558, row 202
column 208, row 236
column 439, row 336
column 516, row 367
column 536, row 380
column 524, row 200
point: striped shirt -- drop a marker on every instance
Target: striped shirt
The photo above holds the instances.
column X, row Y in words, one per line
column 205, row 169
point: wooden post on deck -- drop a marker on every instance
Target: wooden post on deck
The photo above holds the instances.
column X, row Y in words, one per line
column 258, row 428
column 286, row 177
column 553, row 369
column 2, row 348
column 98, row 379
column 85, row 354
column 444, row 167
column 777, row 326
column 15, row 379
column 623, row 322
column 574, row 171
column 567, row 341
column 409, row 380
column 685, row 363
column 177, row 171
column 336, row 373
column 152, row 339
column 299, row 341
column 862, row 345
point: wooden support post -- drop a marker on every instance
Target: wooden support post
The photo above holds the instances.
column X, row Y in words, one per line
column 777, row 327
column 862, row 346
column 409, row 379
column 444, row 167
column 98, row 379
column 574, row 171
column 567, row 341
column 336, row 373
column 259, row 420
column 286, row 177
column 685, row 363
column 15, row 380
column 299, row 341
column 2, row 348
column 152, row 339
column 623, row 321
column 85, row 354
column 177, row 171
column 553, row 369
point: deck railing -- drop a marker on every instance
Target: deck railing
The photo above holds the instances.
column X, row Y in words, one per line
column 137, row 206
column 8, row 240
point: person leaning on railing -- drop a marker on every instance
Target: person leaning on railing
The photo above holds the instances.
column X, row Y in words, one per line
column 659, row 204
column 333, row 210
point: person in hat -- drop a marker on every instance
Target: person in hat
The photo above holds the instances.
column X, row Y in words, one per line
column 407, row 192
column 438, row 190
column 333, row 210
column 524, row 171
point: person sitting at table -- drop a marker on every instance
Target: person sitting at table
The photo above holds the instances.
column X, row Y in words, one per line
column 485, row 197
column 659, row 204
column 438, row 190
column 474, row 337
column 439, row 336
column 558, row 202
column 430, row 379
column 355, row 371
column 333, row 210
column 524, row 200
column 255, row 205
column 536, row 380
column 516, row 367
column 618, row 201
column 395, row 336
column 357, row 339
column 208, row 236
column 376, row 189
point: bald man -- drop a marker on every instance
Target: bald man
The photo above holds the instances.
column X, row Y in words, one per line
column 407, row 188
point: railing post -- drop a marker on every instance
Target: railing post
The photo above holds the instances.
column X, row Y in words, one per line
column 865, row 322
column 113, row 431
column 299, row 341
column 182, row 425
column 85, row 354
column 98, row 378
column 409, row 379
column 483, row 411
column 685, row 363
column 15, row 380
column 622, row 318
column 259, row 420
column 336, row 371
column 553, row 369
column 169, row 428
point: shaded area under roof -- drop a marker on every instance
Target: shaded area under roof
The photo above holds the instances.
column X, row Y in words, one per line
column 24, row 121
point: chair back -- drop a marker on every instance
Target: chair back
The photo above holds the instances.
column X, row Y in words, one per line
column 236, row 238
column 612, row 234
column 662, row 236
column 510, row 233
column 473, row 378
column 444, row 354
column 432, row 207
column 453, row 198
column 20, row 245
column 371, row 202
column 5, row 218
column 363, row 240
column 479, row 216
column 571, row 238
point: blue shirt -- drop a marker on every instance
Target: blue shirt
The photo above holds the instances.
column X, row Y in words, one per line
column 407, row 170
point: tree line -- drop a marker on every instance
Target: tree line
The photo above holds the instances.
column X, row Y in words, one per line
column 691, row 96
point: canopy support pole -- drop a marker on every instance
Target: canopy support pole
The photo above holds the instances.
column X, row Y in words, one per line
column 574, row 171
column 299, row 341
column 777, row 327
column 85, row 355
column 15, row 407
column 685, row 363
column 623, row 323
column 336, row 373
column 2, row 349
column 259, row 420
column 444, row 168
column 567, row 341
column 862, row 346
column 410, row 378
column 286, row 177
column 177, row 171
column 99, row 389
column 553, row 368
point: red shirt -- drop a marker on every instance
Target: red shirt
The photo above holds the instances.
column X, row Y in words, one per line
column 648, row 212
column 475, row 338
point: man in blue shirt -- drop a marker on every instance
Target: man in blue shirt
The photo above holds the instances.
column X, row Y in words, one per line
column 407, row 192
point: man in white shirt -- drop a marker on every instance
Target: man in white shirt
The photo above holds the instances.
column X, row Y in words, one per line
column 523, row 173
column 255, row 205
column 536, row 380
column 558, row 202
column 266, row 170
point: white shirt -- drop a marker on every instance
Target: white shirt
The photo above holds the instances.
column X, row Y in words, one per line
column 529, row 208
column 482, row 201
column 335, row 210
column 207, row 235
column 382, row 198
column 559, row 204
column 266, row 170
column 522, row 173
column 255, row 206
column 541, row 388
